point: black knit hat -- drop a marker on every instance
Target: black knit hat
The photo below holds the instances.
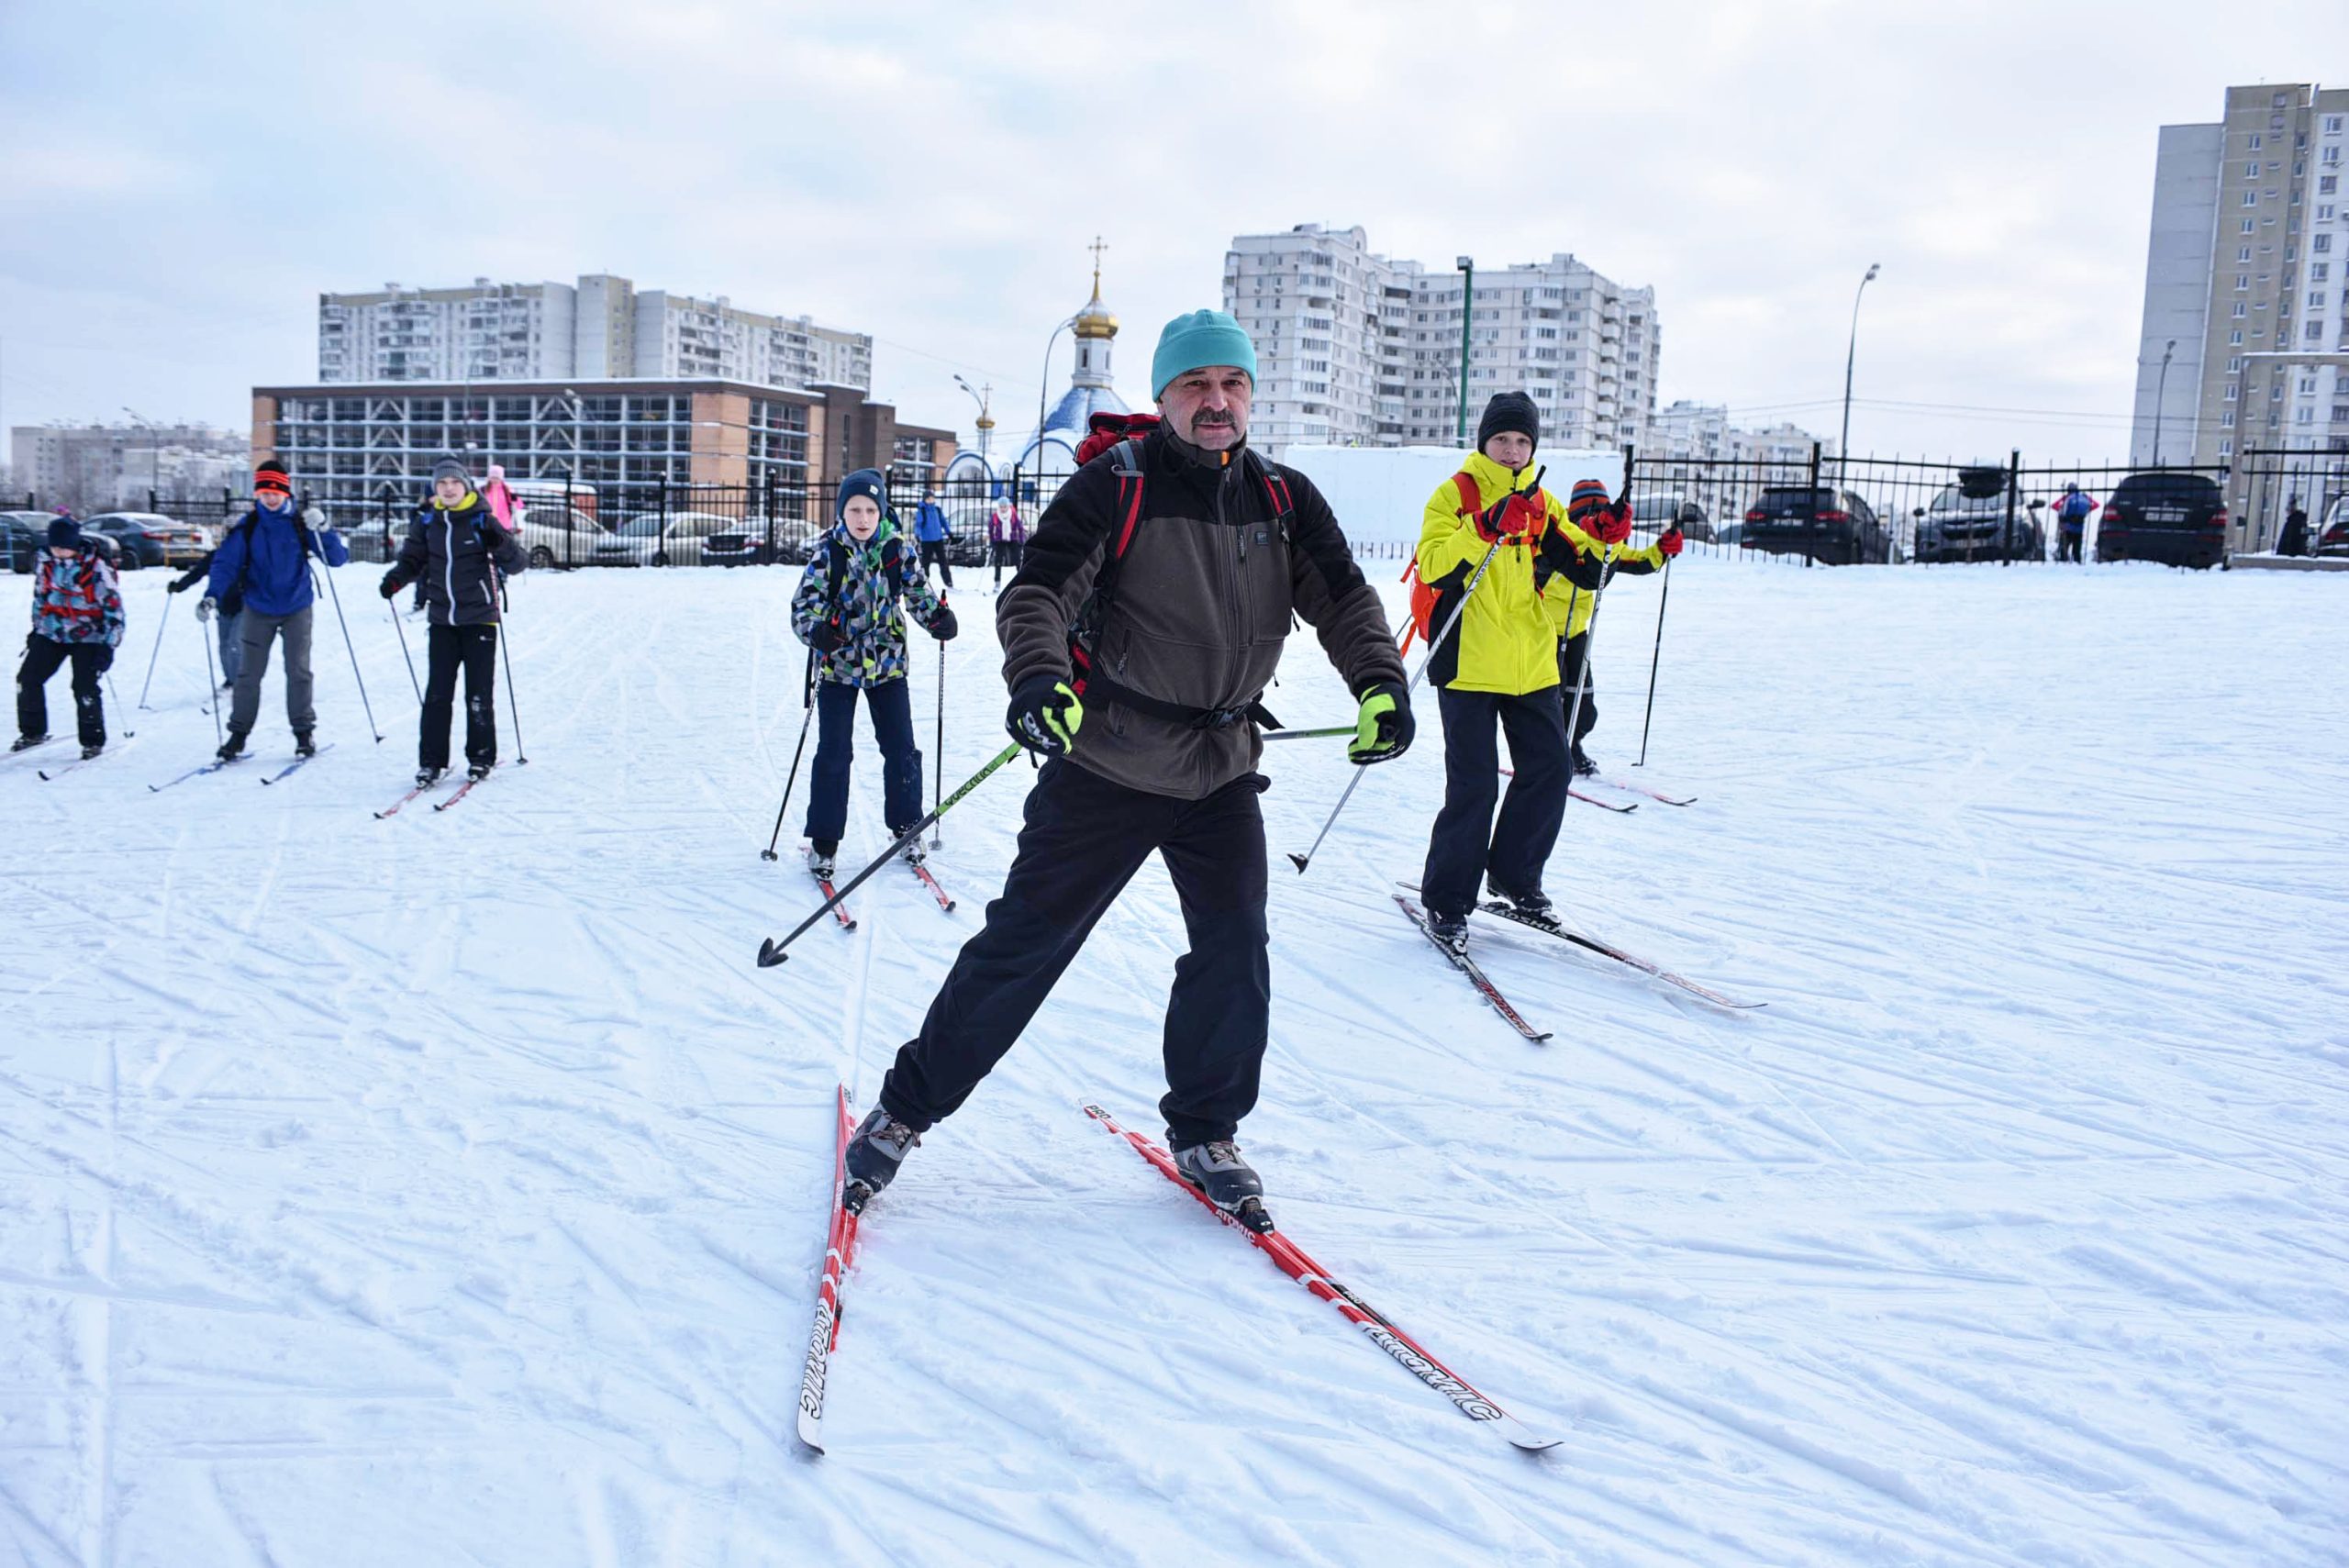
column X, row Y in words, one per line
column 1509, row 411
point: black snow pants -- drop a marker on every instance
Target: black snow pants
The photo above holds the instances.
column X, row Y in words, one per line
column 1574, row 656
column 934, row 553
column 891, row 707
column 1083, row 841
column 43, row 657
column 474, row 648
column 1467, row 841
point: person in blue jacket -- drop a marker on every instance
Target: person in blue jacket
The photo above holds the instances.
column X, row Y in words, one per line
column 265, row 560
column 2072, row 511
column 932, row 534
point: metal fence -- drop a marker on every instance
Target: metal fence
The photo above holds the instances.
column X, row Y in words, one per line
column 2273, row 480
column 1804, row 508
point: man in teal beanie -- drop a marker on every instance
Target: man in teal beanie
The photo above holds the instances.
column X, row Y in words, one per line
column 1147, row 620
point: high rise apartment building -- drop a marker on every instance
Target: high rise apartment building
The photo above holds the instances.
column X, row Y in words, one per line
column 601, row 328
column 2248, row 289
column 100, row 467
column 1354, row 347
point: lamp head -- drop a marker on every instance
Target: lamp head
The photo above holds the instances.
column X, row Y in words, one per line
column 1874, row 268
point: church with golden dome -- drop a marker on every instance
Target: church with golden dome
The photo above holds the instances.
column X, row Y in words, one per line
column 1091, row 390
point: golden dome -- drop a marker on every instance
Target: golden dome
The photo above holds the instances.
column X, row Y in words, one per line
column 1095, row 320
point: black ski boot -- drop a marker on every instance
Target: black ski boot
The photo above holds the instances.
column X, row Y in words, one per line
column 1584, row 767
column 478, row 772
column 232, row 748
column 873, row 1156
column 304, row 745
column 27, row 742
column 914, row 853
column 427, row 777
column 820, row 853
column 1450, row 931
column 1534, row 906
column 1226, row 1180
column 90, row 752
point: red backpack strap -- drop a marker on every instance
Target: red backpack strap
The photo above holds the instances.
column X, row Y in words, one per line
column 1472, row 497
column 1126, row 458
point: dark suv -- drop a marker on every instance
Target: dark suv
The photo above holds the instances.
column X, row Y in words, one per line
column 2179, row 519
column 1834, row 528
column 23, row 536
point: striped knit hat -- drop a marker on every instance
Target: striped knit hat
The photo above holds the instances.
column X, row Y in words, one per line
column 1588, row 495
column 270, row 474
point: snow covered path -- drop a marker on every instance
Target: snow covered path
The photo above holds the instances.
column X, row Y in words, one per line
column 451, row 1188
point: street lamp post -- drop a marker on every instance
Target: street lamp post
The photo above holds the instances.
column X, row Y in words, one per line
column 154, row 459
column 2161, row 390
column 986, row 420
column 1466, row 266
column 1043, row 388
column 1851, row 356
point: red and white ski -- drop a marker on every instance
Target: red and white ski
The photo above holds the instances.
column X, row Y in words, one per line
column 839, row 910
column 1477, row 977
column 930, row 882
column 1293, row 1260
column 1650, row 794
column 840, row 1250
column 459, row 794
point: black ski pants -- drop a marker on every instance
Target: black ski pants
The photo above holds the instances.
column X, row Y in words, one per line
column 1083, row 841
column 892, row 710
column 1007, row 552
column 934, row 553
column 474, row 649
column 2067, row 543
column 43, row 658
column 1467, row 841
column 1574, row 659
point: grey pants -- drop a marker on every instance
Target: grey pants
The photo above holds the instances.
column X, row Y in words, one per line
column 256, row 633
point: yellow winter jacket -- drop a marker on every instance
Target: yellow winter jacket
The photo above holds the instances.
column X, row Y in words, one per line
column 1569, row 606
column 1505, row 643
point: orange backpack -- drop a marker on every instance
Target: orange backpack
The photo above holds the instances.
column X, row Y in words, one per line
column 1423, row 595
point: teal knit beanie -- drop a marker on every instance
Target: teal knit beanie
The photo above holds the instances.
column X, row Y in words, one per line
column 1193, row 341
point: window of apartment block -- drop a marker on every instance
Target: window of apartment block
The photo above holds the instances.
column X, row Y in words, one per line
column 2235, row 339
column 2227, row 420
column 2254, row 142
column 2238, row 310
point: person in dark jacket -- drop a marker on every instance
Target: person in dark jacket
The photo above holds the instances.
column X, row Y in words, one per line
column 226, row 619
column 2294, row 540
column 846, row 611
column 264, row 562
column 77, row 618
column 1179, row 558
column 454, row 550
column 932, row 533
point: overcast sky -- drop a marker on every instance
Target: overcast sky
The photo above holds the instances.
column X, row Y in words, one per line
column 179, row 182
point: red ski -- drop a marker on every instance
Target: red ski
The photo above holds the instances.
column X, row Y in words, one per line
column 839, row 910
column 1292, row 1261
column 840, row 1250
column 930, row 882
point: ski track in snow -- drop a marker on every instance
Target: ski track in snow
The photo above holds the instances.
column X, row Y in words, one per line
column 451, row 1189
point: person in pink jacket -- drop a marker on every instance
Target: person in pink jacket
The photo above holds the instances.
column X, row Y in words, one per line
column 1007, row 537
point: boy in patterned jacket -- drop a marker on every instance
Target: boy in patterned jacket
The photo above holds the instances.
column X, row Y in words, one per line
column 77, row 616
column 846, row 612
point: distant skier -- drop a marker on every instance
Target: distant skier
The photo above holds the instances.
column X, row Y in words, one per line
column 1179, row 570
column 932, row 533
column 1598, row 529
column 2072, row 511
column 499, row 497
column 847, row 611
column 454, row 550
column 264, row 562
column 77, row 618
column 2294, row 540
column 1498, row 670
column 1006, row 537
column 226, row 621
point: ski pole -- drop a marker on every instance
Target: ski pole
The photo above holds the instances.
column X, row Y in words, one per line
column 149, row 683
column 937, row 758
column 211, row 682
column 1434, row 644
column 1663, row 598
column 405, row 657
column 1306, row 734
column 116, row 697
column 771, row 951
column 807, row 701
column 1590, row 632
column 351, row 648
column 513, row 704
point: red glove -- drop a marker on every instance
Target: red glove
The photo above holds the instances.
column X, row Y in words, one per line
column 1520, row 516
column 1612, row 526
column 1670, row 543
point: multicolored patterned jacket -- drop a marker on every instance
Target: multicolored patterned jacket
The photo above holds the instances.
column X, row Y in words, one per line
column 858, row 586
column 77, row 601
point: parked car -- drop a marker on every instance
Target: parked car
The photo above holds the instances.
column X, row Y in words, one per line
column 658, row 538
column 23, row 536
column 1660, row 510
column 1834, row 528
column 1729, row 536
column 146, row 539
column 2332, row 537
column 2179, row 519
column 556, row 535
column 1970, row 521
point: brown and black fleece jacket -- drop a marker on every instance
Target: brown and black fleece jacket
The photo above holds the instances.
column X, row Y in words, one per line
column 1200, row 610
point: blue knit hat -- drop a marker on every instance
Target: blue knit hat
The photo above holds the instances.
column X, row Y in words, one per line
column 865, row 482
column 1195, row 342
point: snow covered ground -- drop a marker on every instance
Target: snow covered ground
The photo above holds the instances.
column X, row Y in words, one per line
column 451, row 1189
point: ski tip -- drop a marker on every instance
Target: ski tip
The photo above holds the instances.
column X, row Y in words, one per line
column 1527, row 1443
column 769, row 954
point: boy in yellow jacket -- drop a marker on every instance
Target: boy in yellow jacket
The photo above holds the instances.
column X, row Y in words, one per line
column 1498, row 670
column 1588, row 512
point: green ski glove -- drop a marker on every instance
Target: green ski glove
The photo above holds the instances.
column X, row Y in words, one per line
column 1384, row 728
